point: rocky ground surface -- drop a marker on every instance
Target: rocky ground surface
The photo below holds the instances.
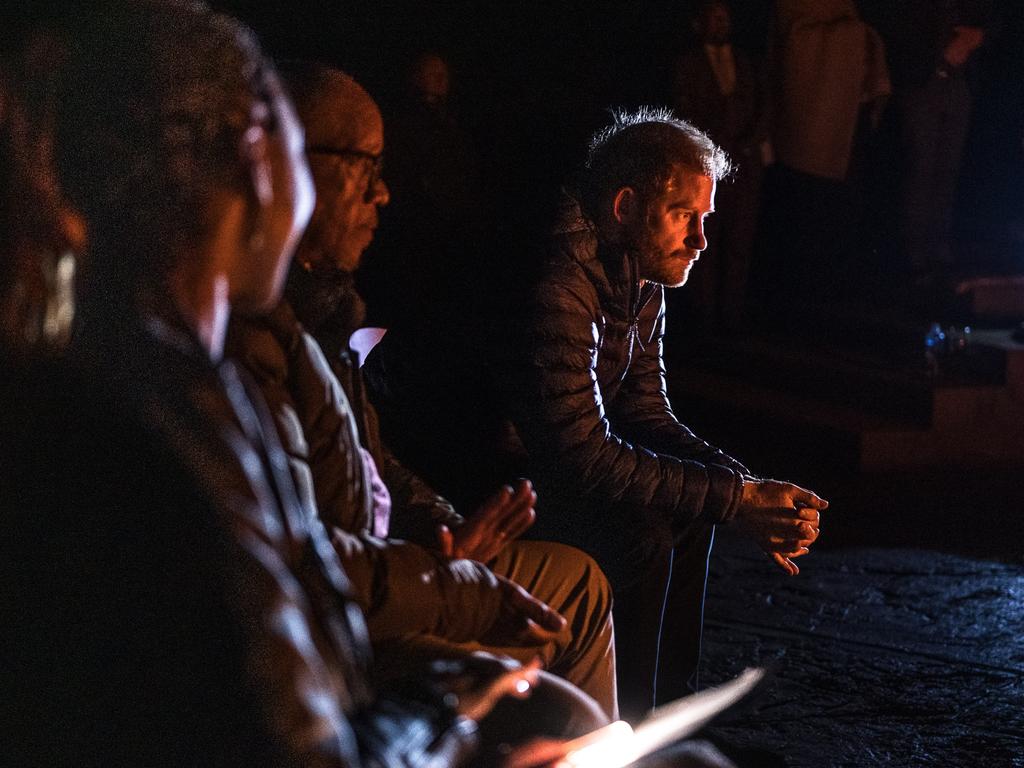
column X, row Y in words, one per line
column 881, row 657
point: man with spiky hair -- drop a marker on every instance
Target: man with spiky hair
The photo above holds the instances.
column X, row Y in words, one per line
column 584, row 390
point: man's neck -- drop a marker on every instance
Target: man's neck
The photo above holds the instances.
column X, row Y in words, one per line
column 318, row 294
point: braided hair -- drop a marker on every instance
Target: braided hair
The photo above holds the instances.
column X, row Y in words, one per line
column 154, row 106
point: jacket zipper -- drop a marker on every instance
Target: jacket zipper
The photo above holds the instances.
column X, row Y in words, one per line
column 633, row 333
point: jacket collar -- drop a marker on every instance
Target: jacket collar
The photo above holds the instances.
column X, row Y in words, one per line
column 325, row 297
column 611, row 269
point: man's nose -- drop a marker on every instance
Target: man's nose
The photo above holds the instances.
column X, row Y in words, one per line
column 695, row 238
column 378, row 193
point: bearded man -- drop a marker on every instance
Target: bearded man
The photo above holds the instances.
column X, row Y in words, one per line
column 581, row 386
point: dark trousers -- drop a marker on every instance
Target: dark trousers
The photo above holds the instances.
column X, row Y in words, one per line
column 658, row 625
column 935, row 121
column 806, row 243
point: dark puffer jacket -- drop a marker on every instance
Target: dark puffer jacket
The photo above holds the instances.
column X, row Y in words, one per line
column 330, row 310
column 402, row 588
column 589, row 402
column 584, row 391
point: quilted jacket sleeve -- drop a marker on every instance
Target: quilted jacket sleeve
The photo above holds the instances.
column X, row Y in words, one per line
column 417, row 509
column 313, row 416
column 405, row 589
column 561, row 417
column 642, row 409
column 396, row 730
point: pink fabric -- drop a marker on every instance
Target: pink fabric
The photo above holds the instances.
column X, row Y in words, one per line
column 364, row 340
column 380, row 494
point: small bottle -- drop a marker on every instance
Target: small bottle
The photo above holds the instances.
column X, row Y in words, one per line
column 958, row 339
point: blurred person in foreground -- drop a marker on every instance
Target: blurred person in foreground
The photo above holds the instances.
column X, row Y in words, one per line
column 39, row 233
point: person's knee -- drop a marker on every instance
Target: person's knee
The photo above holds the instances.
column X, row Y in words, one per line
column 597, row 584
column 555, row 709
column 578, row 568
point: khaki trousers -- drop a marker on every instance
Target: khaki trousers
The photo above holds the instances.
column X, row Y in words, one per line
column 571, row 583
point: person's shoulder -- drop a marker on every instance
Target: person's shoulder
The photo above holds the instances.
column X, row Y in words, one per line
column 56, row 393
column 316, row 382
column 253, row 342
column 571, row 255
column 62, row 426
column 566, row 274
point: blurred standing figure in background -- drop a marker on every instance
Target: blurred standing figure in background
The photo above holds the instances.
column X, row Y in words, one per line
column 931, row 49
column 431, row 156
column 829, row 79
column 433, row 175
column 716, row 88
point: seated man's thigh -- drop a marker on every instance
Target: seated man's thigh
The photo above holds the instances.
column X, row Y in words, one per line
column 572, row 583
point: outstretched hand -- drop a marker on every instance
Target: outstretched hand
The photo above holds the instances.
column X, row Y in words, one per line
column 481, row 680
column 782, row 518
column 524, row 620
column 501, row 518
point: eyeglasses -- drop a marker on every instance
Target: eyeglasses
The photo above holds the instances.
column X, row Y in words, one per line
column 376, row 161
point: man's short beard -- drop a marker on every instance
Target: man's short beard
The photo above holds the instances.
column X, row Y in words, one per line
column 655, row 266
column 673, row 280
column 641, row 243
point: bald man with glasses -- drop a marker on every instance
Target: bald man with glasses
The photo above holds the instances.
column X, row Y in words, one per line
column 330, row 431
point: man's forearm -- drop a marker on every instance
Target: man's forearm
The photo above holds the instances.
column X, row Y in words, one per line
column 405, row 589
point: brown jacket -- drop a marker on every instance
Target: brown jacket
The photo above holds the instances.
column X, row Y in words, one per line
column 175, row 604
column 403, row 588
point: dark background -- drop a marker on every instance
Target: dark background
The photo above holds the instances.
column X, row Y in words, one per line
column 533, row 79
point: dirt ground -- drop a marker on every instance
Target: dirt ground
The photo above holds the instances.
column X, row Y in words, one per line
column 893, row 656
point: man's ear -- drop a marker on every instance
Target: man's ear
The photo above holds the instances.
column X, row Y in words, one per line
column 256, row 161
column 625, row 205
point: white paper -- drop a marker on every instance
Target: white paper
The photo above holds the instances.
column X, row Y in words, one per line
column 617, row 745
